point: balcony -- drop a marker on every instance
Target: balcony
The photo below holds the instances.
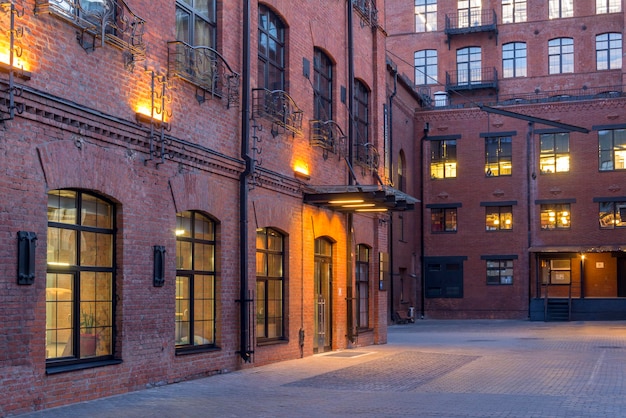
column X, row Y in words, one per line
column 367, row 11
column 327, row 135
column 100, row 22
column 278, row 108
column 472, row 79
column 206, row 69
column 471, row 21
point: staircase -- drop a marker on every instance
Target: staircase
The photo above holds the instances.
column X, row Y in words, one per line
column 557, row 310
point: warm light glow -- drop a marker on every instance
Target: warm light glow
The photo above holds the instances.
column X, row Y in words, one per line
column 301, row 167
column 372, row 210
column 359, row 205
column 507, row 222
column 56, row 263
column 180, row 232
column 565, row 214
column 18, row 62
column 341, row 202
column 144, row 110
column 496, row 222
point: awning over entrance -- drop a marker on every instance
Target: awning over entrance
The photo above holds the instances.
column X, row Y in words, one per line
column 359, row 198
column 578, row 249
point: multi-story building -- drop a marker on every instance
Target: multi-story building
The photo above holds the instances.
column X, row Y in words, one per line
column 189, row 187
column 521, row 127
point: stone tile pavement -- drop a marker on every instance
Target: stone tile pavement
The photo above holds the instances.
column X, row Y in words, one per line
column 490, row 368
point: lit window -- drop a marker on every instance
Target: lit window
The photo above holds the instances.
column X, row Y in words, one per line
column 514, row 60
column 443, row 159
column 554, row 156
column 426, row 67
column 612, row 215
column 271, row 69
column 513, row 11
column 555, row 216
column 498, row 218
column 270, row 276
column 560, row 8
column 469, row 13
column 561, row 55
column 195, row 280
column 443, row 219
column 79, row 279
column 609, row 51
column 499, row 271
column 608, row 6
column 363, row 286
column 425, row 15
column 612, row 149
column 469, row 65
column 498, row 156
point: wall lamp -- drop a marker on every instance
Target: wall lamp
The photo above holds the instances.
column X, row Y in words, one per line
column 26, row 257
column 301, row 171
column 142, row 118
column 158, row 279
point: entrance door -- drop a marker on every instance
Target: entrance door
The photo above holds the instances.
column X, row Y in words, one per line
column 621, row 277
column 322, row 294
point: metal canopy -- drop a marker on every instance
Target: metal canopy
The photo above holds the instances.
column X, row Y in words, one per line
column 534, row 119
column 359, row 198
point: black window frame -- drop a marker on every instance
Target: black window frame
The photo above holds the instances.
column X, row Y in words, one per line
column 322, row 86
column 423, row 64
column 362, row 273
column 495, row 269
column 608, row 48
column 517, row 61
column 263, row 308
column 553, row 151
column 607, row 150
column 424, row 8
column 497, row 155
column 561, row 50
column 272, row 29
column 193, row 13
column 443, row 152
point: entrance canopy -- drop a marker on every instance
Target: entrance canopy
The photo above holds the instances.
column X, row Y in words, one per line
column 359, row 198
column 578, row 248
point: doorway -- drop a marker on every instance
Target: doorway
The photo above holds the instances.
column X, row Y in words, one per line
column 323, row 298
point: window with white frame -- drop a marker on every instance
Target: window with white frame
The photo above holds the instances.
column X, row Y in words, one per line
column 609, row 51
column 425, row 15
column 514, row 59
column 561, row 55
column 426, row 67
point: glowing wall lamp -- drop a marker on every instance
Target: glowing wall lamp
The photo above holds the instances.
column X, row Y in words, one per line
column 301, row 171
column 144, row 117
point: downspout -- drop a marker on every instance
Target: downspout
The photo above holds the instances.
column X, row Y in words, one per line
column 349, row 219
column 390, row 168
column 422, row 232
column 244, row 349
column 530, row 177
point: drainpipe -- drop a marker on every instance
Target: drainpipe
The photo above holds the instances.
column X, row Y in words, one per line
column 390, row 168
column 349, row 219
column 244, row 349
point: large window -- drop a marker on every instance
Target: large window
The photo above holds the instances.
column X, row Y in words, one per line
column 270, row 274
column 425, row 15
column 363, row 285
column 561, row 55
column 612, row 149
column 554, row 155
column 499, row 272
column 468, row 65
column 322, row 86
column 513, row 11
column 443, row 219
column 426, row 67
column 80, row 277
column 469, row 13
column 443, row 159
column 195, row 280
column 608, row 6
column 555, row 216
column 498, row 218
column 514, row 59
column 196, row 22
column 609, row 51
column 560, row 8
column 271, row 70
column 498, row 156
column 612, row 214
column 361, row 121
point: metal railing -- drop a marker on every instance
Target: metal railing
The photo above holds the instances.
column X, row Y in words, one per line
column 474, row 78
column 277, row 107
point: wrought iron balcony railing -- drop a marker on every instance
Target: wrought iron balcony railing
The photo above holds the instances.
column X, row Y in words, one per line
column 467, row 21
column 366, row 155
column 109, row 21
column 327, row 135
column 367, row 10
column 474, row 78
column 277, row 107
column 206, row 69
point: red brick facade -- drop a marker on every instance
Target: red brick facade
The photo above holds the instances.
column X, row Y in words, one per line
column 74, row 127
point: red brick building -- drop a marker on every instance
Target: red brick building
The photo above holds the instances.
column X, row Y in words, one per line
column 189, row 188
column 522, row 125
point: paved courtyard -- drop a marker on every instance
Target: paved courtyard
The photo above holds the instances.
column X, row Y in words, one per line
column 428, row 369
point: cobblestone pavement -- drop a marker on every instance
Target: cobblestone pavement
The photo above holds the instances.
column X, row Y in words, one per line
column 428, row 369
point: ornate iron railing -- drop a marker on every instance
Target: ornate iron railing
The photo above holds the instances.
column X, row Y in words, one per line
column 327, row 135
column 106, row 21
column 8, row 106
column 277, row 107
column 206, row 69
column 368, row 11
column 366, row 155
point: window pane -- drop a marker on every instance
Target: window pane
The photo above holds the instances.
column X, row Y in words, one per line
column 182, row 310
column 61, row 247
column 59, row 307
column 62, row 207
column 203, row 257
column 96, row 249
column 95, row 212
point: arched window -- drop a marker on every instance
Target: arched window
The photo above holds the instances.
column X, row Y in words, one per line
column 425, row 67
column 79, row 277
column 195, row 280
column 514, row 59
column 270, row 274
column 361, row 121
column 469, row 65
column 322, row 86
column 561, row 55
column 271, row 70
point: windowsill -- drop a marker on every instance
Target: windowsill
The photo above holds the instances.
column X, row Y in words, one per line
column 183, row 351
column 272, row 342
column 62, row 368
